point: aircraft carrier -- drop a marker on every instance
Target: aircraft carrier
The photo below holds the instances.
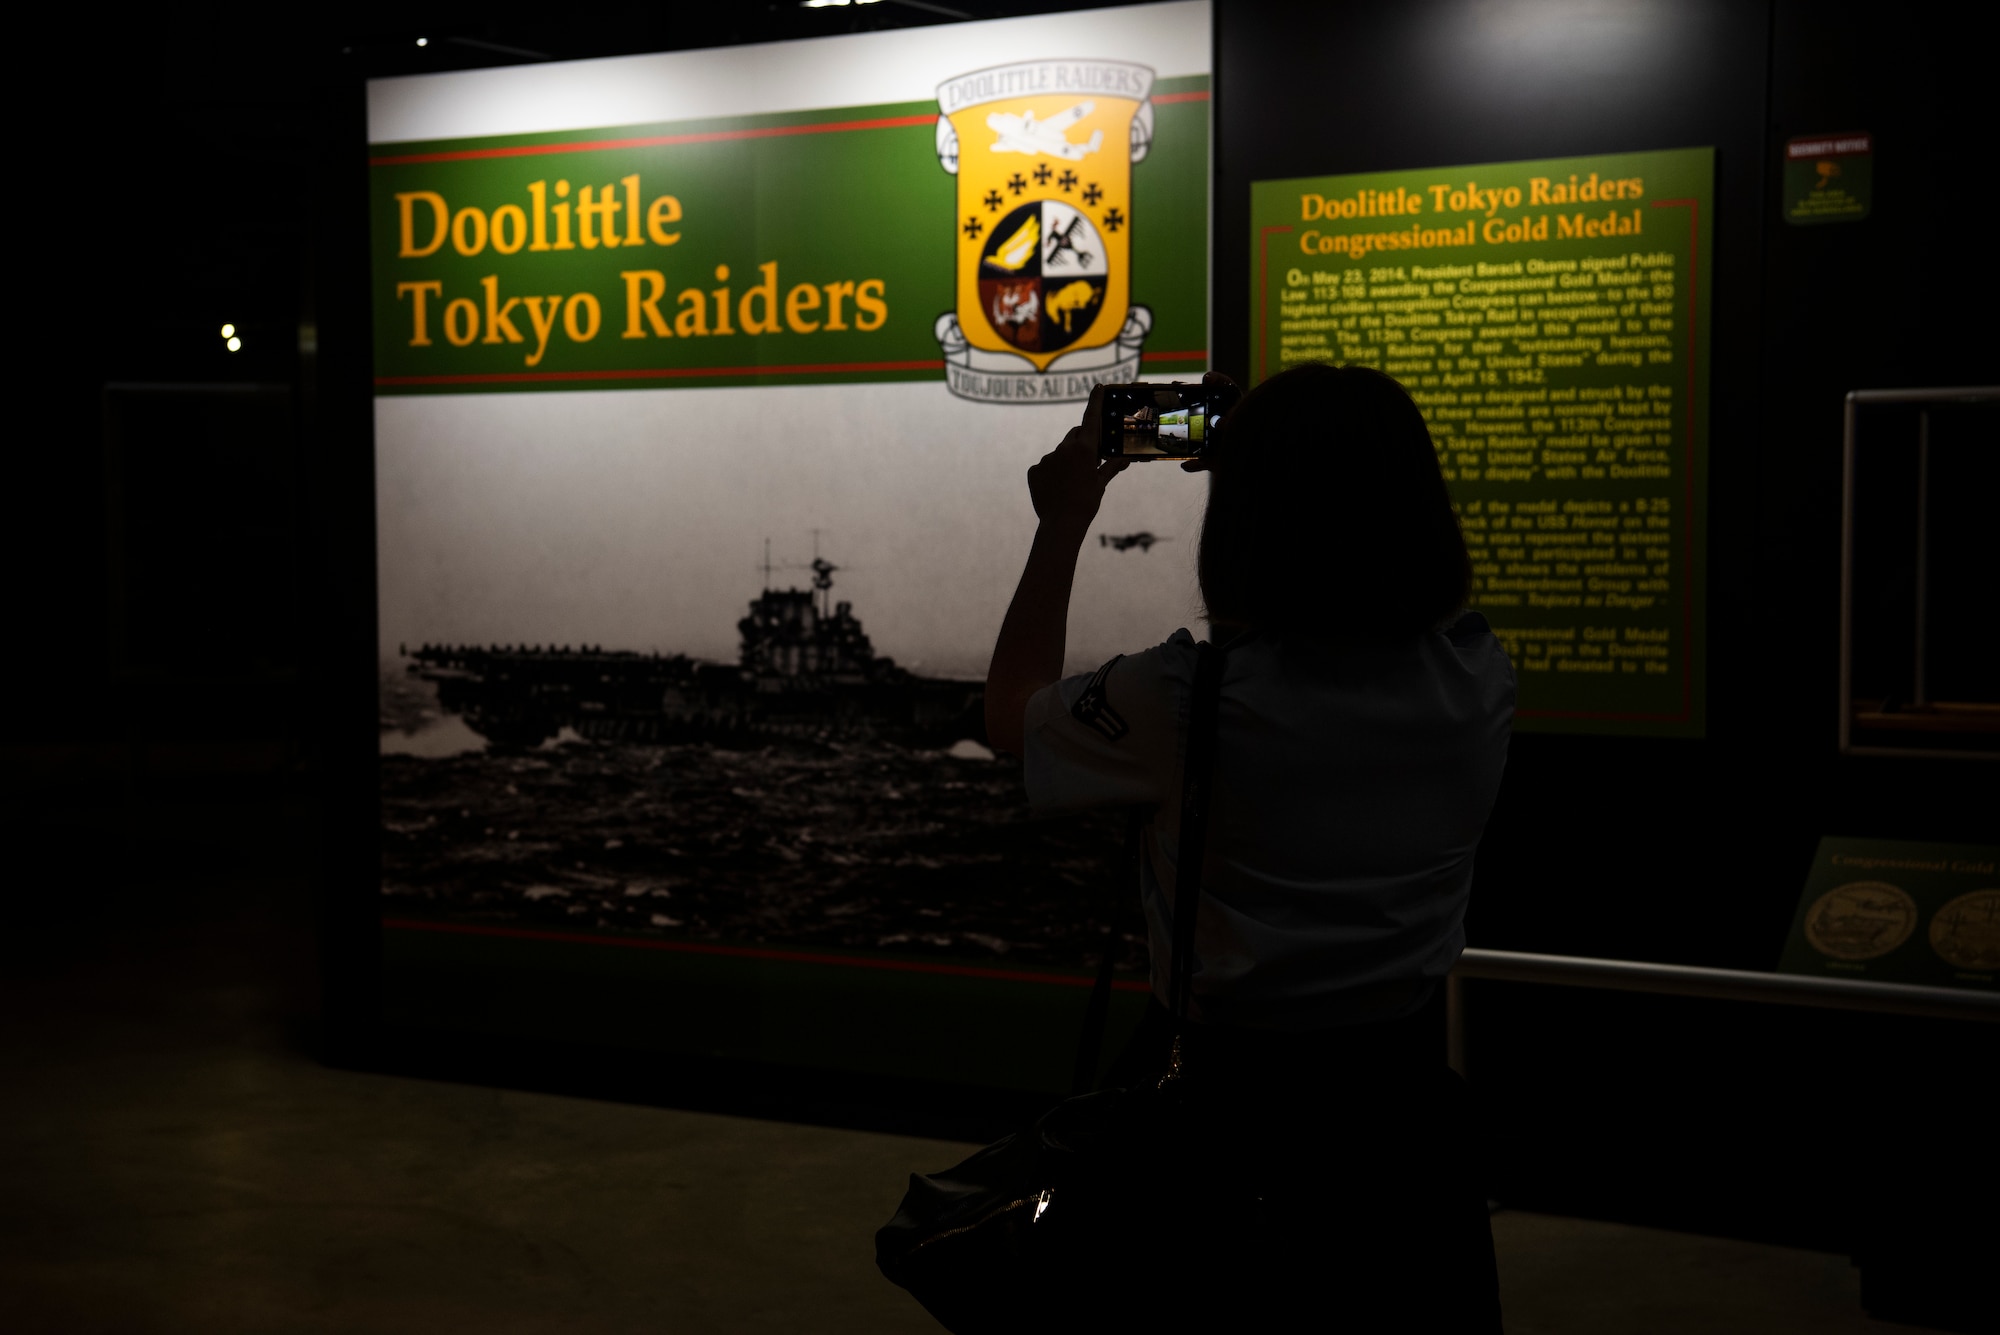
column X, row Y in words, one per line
column 806, row 668
column 810, row 793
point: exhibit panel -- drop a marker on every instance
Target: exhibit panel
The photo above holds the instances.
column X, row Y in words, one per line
column 705, row 384
column 1551, row 320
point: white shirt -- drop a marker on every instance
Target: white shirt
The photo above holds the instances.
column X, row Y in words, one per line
column 1351, row 787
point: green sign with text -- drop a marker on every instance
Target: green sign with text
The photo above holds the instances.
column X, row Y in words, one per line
column 1038, row 229
column 1551, row 318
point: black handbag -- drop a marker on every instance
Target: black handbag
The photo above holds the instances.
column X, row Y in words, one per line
column 1057, row 1227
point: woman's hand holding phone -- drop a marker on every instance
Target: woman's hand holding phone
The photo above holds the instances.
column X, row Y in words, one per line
column 1068, row 484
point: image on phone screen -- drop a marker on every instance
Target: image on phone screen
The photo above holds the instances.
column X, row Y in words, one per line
column 1161, row 424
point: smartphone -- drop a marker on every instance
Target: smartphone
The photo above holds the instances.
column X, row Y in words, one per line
column 1162, row 421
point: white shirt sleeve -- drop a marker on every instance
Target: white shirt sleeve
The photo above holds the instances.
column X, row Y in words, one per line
column 1111, row 737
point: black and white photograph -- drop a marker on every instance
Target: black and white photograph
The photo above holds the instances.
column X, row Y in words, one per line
column 656, row 671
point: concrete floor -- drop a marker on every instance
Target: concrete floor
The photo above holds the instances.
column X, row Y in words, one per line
column 174, row 1161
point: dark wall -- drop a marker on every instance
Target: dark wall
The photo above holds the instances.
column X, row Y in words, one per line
column 1888, row 303
column 1695, row 1114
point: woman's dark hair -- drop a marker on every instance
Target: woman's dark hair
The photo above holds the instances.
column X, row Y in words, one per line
column 1328, row 517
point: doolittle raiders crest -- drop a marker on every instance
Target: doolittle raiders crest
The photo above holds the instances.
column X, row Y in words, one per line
column 1043, row 153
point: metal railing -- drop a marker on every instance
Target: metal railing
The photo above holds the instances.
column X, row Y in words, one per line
column 1781, row 989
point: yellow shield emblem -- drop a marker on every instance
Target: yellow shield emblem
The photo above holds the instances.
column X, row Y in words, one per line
column 1043, row 153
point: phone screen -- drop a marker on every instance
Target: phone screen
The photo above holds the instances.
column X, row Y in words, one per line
column 1160, row 421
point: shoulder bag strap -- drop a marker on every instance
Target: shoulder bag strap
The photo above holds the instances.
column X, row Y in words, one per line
column 1122, row 901
column 1197, row 780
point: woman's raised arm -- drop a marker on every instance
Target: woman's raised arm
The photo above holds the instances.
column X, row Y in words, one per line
column 1067, row 486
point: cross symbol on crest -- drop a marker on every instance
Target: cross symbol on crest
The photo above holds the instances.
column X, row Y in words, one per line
column 973, row 227
column 1067, row 181
column 1042, row 174
column 1113, row 220
column 993, row 200
column 1016, row 184
column 1092, row 193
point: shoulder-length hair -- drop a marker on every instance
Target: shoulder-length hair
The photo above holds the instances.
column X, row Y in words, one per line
column 1328, row 517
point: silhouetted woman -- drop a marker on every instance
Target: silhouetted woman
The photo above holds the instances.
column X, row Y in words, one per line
column 1362, row 732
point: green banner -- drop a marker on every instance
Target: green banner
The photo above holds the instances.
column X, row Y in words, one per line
column 1899, row 912
column 839, row 245
column 1551, row 319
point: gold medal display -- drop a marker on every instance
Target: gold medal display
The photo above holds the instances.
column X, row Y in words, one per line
column 1966, row 932
column 1861, row 920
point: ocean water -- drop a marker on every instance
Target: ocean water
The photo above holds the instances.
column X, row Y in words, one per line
column 865, row 845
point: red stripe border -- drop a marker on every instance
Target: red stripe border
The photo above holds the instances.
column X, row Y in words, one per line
column 1263, row 291
column 1602, row 715
column 650, row 141
column 699, row 372
column 768, row 953
column 698, row 137
column 1693, row 206
column 656, row 373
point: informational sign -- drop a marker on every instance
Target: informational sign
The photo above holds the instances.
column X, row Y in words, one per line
column 1829, row 178
column 1899, row 912
column 1551, row 319
column 706, row 384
